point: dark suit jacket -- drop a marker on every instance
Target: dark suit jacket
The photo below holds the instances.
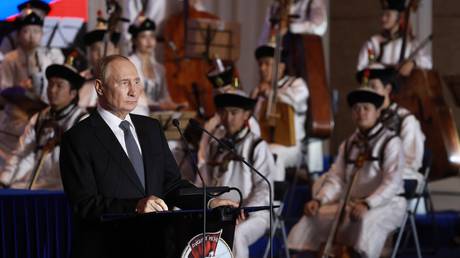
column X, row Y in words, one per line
column 98, row 179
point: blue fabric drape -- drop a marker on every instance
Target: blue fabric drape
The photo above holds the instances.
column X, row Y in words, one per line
column 34, row 224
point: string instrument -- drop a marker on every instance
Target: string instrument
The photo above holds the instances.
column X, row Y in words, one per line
column 187, row 77
column 276, row 119
column 114, row 12
column 320, row 120
column 329, row 250
column 52, row 133
column 421, row 93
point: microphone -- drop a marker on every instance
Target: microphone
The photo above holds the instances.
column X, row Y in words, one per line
column 176, row 123
column 229, row 147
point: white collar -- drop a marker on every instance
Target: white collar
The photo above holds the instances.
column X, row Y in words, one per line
column 112, row 120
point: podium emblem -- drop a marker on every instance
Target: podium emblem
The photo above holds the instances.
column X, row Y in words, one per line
column 215, row 246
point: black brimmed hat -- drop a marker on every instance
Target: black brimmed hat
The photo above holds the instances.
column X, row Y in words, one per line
column 235, row 98
column 98, row 35
column 66, row 72
column 269, row 51
column 220, row 79
column 386, row 75
column 35, row 4
column 30, row 19
column 397, row 5
column 142, row 23
column 24, row 99
column 365, row 95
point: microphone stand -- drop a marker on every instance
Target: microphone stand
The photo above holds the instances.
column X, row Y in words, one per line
column 176, row 123
column 194, row 123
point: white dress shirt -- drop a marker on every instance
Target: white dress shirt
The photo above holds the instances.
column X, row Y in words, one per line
column 113, row 122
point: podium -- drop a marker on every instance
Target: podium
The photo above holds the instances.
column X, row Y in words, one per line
column 182, row 231
column 177, row 233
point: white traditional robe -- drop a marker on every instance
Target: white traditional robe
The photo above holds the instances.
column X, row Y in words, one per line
column 14, row 69
column 378, row 183
column 294, row 92
column 220, row 171
column 19, row 169
column 409, row 130
column 309, row 19
column 389, row 53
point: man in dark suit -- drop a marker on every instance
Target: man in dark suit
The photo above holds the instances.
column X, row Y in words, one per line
column 116, row 162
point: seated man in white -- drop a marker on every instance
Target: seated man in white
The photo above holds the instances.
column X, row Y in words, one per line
column 222, row 168
column 375, row 208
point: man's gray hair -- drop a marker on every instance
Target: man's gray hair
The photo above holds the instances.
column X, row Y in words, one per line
column 103, row 64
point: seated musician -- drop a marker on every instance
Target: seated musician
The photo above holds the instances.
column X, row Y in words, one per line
column 375, row 208
column 385, row 47
column 221, row 168
column 152, row 73
column 25, row 66
column 43, row 134
column 397, row 119
column 292, row 91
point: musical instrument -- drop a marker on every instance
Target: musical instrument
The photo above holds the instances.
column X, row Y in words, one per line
column 49, row 137
column 276, row 119
column 328, row 250
column 422, row 94
column 320, row 120
column 186, row 77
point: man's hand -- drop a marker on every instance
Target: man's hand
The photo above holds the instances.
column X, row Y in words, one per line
column 151, row 204
column 358, row 211
column 311, row 208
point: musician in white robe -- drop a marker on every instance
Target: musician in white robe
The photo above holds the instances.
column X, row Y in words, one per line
column 41, row 8
column 375, row 208
column 292, row 91
column 25, row 66
column 386, row 46
column 398, row 119
column 151, row 72
column 222, row 168
column 43, row 134
column 308, row 17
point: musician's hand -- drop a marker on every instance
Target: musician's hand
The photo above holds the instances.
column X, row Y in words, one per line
column 407, row 68
column 264, row 89
column 358, row 211
column 212, row 123
column 311, row 208
column 151, row 204
column 26, row 83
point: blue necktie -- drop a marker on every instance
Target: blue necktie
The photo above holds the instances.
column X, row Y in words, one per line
column 133, row 151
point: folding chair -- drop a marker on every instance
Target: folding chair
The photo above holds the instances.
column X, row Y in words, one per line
column 413, row 193
column 279, row 227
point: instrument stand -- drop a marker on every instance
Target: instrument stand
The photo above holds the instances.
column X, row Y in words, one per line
column 207, row 38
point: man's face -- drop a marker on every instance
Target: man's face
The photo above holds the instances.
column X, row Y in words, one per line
column 30, row 36
column 60, row 93
column 96, row 51
column 121, row 88
column 365, row 115
column 266, row 68
column 233, row 118
column 377, row 86
column 389, row 19
column 145, row 42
